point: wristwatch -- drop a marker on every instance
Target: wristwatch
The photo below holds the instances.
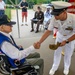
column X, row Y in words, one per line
column 67, row 41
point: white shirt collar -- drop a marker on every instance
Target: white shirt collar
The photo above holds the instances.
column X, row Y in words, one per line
column 8, row 35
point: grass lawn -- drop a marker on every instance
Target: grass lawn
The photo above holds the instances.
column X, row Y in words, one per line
column 8, row 12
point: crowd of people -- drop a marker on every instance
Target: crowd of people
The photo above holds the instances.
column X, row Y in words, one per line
column 54, row 17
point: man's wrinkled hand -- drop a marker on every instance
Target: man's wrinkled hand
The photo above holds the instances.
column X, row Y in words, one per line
column 36, row 45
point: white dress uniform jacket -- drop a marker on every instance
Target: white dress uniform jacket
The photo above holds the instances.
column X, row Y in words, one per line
column 63, row 34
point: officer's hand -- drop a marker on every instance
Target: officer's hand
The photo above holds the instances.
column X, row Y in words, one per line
column 63, row 43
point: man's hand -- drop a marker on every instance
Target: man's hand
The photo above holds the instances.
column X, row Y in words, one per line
column 36, row 45
column 63, row 43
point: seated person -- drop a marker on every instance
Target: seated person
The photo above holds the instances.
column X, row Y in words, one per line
column 13, row 52
column 38, row 19
column 47, row 16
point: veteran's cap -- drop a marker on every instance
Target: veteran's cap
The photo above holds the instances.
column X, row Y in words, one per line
column 59, row 6
column 6, row 21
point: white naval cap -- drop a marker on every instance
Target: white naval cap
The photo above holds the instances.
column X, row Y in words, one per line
column 59, row 6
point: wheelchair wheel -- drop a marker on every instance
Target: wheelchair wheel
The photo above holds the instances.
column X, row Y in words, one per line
column 2, row 68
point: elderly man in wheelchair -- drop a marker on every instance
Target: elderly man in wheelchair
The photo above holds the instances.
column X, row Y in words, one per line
column 12, row 57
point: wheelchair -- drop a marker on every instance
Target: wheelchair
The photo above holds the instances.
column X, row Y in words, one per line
column 6, row 69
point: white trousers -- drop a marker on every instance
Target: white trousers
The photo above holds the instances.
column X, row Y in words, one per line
column 68, row 49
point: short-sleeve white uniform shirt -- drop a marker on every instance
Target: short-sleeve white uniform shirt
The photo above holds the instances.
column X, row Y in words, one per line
column 69, row 22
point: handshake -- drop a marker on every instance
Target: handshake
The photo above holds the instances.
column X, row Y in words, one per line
column 36, row 45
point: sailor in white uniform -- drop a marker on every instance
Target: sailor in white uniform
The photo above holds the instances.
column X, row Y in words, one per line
column 65, row 22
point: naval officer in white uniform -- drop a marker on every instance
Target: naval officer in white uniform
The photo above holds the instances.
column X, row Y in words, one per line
column 65, row 22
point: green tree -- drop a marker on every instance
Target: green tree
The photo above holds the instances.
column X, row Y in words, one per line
column 31, row 1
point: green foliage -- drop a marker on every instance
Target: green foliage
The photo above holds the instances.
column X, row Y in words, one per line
column 40, row 1
column 31, row 1
column 14, row 1
column 8, row 13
